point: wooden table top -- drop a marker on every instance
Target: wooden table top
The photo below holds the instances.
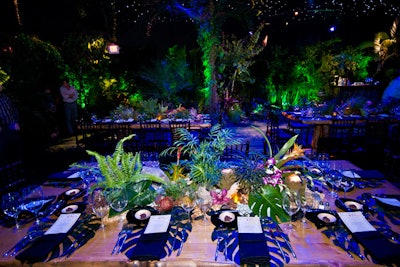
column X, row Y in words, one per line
column 311, row 246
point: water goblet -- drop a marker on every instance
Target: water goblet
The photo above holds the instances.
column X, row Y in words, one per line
column 117, row 198
column 323, row 162
column 203, row 205
column 99, row 204
column 12, row 206
column 188, row 204
column 346, row 185
column 291, row 204
column 33, row 200
column 307, row 204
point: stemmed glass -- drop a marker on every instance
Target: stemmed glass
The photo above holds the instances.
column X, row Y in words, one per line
column 346, row 185
column 99, row 204
column 203, row 205
column 291, row 204
column 117, row 198
column 33, row 199
column 188, row 203
column 307, row 204
column 12, row 206
column 335, row 179
column 323, row 161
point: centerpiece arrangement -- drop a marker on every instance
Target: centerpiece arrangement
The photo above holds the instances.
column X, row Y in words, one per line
column 124, row 170
column 253, row 183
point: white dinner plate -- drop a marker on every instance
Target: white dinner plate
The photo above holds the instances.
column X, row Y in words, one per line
column 227, row 216
column 69, row 209
column 353, row 205
column 326, row 217
column 142, row 215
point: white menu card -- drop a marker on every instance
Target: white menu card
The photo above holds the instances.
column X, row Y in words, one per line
column 63, row 223
column 356, row 222
column 249, row 225
column 158, row 224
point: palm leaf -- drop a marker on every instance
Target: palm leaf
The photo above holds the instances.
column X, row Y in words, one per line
column 268, row 203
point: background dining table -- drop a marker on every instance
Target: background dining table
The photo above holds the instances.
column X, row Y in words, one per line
column 311, row 246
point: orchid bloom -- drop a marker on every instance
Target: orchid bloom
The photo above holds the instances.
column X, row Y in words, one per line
column 219, row 196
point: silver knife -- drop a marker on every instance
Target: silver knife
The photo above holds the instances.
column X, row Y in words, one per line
column 277, row 243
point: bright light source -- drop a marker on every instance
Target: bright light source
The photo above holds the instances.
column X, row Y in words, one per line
column 332, row 29
column 113, row 49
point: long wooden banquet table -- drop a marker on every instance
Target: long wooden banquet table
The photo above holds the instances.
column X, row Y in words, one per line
column 322, row 124
column 311, row 246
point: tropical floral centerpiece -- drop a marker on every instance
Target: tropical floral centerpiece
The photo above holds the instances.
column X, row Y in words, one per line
column 255, row 181
column 124, row 170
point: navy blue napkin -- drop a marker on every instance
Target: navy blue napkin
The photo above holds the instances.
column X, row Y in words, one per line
column 149, row 247
column 40, row 248
column 370, row 174
column 253, row 249
column 378, row 246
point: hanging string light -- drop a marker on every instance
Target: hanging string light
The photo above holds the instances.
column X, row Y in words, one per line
column 17, row 12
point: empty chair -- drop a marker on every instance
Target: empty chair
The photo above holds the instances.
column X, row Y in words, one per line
column 339, row 144
column 303, row 130
column 342, row 128
column 119, row 130
column 277, row 135
column 152, row 137
column 236, row 151
column 173, row 125
column 12, row 177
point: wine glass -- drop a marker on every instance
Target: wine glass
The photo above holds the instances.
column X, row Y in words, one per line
column 188, row 203
column 203, row 205
column 346, row 185
column 336, row 182
column 117, row 198
column 12, row 206
column 291, row 204
column 99, row 204
column 307, row 204
column 33, row 200
column 323, row 162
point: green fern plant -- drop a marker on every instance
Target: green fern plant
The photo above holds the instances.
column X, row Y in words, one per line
column 124, row 169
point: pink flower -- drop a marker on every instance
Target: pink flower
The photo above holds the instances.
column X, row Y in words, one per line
column 219, row 196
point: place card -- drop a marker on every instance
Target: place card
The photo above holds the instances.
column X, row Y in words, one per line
column 249, row 225
column 389, row 201
column 356, row 222
column 63, row 224
column 158, row 224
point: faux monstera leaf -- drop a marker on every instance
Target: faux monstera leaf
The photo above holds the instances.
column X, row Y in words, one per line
column 268, row 203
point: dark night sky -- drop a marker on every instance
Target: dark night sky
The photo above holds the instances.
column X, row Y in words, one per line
column 52, row 20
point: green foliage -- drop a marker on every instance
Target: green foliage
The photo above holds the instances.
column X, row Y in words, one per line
column 150, row 109
column 235, row 113
column 268, row 202
column 233, row 65
column 4, row 77
column 124, row 169
column 204, row 156
column 169, row 77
